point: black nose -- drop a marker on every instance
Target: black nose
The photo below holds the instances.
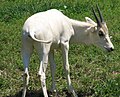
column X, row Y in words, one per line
column 111, row 49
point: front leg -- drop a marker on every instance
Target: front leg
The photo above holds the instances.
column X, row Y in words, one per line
column 65, row 49
column 53, row 69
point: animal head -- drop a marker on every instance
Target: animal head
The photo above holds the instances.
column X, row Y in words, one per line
column 99, row 35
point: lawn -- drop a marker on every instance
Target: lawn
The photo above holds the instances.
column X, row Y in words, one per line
column 94, row 72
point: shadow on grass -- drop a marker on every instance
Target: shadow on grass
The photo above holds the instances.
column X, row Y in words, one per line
column 30, row 93
column 39, row 93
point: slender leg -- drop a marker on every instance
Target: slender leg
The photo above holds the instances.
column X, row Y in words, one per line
column 26, row 81
column 27, row 49
column 65, row 49
column 53, row 68
column 43, row 66
column 26, row 53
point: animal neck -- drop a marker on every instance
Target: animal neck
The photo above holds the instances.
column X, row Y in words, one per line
column 81, row 32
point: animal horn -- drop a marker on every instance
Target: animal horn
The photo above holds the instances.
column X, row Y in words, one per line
column 98, row 21
column 100, row 14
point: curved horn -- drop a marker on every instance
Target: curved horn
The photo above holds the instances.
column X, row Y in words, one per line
column 98, row 22
column 100, row 14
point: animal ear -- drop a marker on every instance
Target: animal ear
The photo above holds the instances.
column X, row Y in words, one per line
column 93, row 29
column 88, row 20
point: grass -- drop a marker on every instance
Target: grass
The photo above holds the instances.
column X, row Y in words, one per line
column 94, row 73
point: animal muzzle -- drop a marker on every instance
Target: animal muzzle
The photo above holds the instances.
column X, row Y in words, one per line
column 109, row 46
column 109, row 49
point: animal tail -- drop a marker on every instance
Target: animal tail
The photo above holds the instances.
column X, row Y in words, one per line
column 32, row 35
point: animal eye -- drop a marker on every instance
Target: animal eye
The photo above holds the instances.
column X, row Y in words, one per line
column 101, row 34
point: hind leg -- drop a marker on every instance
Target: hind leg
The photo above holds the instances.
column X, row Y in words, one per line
column 27, row 50
column 26, row 58
column 43, row 66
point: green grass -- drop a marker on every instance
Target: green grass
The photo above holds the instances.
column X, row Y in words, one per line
column 94, row 73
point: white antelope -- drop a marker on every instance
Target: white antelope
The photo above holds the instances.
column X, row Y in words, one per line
column 50, row 30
